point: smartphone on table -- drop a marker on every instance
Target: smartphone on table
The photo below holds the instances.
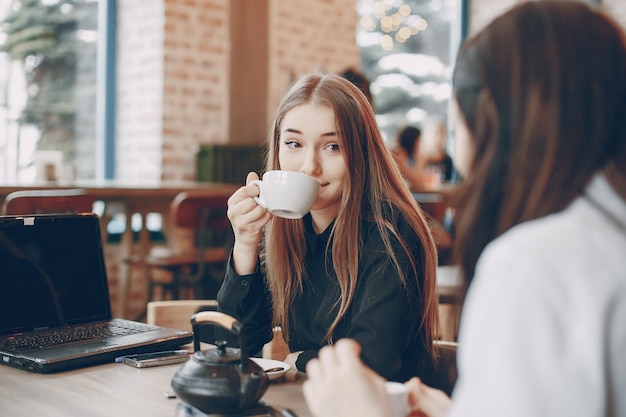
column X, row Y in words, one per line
column 146, row 360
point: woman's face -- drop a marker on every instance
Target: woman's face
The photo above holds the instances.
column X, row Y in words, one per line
column 463, row 143
column 309, row 143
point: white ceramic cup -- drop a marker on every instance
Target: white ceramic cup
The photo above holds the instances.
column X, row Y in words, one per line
column 399, row 399
column 286, row 194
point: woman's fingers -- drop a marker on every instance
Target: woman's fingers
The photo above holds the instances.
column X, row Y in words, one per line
column 247, row 219
column 245, row 192
column 427, row 401
column 314, row 370
column 348, row 351
column 245, row 215
column 338, row 384
column 251, row 177
column 331, row 358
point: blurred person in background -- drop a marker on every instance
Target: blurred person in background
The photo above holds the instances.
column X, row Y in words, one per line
column 434, row 150
column 361, row 81
column 406, row 150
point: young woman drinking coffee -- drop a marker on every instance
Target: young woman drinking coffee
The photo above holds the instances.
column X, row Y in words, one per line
column 361, row 264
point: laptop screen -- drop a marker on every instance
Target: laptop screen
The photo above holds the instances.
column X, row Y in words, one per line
column 52, row 272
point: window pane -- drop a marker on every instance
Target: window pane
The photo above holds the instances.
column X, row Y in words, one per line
column 47, row 89
column 405, row 49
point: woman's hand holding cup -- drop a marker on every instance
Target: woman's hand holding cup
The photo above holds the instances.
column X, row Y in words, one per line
column 287, row 194
column 247, row 219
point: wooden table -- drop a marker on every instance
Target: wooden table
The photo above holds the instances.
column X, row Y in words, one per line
column 129, row 199
column 113, row 390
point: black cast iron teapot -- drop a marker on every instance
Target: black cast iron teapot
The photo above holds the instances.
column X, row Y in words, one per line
column 221, row 379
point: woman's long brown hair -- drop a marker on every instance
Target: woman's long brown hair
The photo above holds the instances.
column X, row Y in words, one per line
column 543, row 92
column 373, row 190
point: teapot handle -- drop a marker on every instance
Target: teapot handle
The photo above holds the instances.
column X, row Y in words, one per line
column 227, row 322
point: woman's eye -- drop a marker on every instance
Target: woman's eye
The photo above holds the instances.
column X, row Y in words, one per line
column 291, row 143
column 333, row 147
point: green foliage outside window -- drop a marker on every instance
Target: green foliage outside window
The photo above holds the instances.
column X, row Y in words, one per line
column 42, row 35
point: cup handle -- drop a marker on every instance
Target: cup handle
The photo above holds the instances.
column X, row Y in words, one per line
column 259, row 200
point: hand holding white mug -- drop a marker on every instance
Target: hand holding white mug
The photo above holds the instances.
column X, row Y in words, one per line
column 399, row 398
column 247, row 219
column 339, row 384
column 427, row 401
column 286, row 194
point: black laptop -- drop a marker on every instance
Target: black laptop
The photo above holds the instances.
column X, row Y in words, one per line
column 55, row 310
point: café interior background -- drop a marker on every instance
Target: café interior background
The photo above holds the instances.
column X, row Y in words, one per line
column 154, row 79
column 128, row 90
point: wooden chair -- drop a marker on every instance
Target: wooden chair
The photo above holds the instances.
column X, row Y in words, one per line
column 47, row 201
column 435, row 207
column 177, row 313
column 446, row 373
column 450, row 288
column 199, row 241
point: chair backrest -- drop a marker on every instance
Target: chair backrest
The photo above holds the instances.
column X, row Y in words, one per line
column 446, row 373
column 204, row 212
column 47, row 201
column 176, row 313
column 188, row 207
column 201, row 216
column 433, row 203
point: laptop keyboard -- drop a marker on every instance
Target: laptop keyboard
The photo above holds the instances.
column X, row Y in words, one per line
column 115, row 327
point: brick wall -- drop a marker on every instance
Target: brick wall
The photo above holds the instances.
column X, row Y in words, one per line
column 139, row 103
column 195, row 93
column 307, row 36
column 173, row 73
column 172, row 81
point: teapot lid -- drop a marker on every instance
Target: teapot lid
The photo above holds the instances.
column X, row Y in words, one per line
column 222, row 354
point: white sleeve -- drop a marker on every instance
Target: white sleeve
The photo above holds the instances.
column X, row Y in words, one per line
column 520, row 353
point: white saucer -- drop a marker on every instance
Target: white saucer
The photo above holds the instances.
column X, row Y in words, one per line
column 271, row 363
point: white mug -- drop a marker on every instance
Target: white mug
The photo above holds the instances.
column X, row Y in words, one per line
column 399, row 399
column 286, row 194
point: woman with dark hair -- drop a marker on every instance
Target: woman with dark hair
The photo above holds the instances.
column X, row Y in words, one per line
column 434, row 138
column 361, row 264
column 360, row 80
column 538, row 112
column 406, row 150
